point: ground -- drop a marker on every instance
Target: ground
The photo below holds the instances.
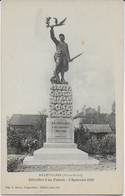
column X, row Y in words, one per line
column 105, row 164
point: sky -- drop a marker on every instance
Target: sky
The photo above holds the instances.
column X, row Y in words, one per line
column 27, row 58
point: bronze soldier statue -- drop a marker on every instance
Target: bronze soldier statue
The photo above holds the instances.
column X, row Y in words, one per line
column 61, row 57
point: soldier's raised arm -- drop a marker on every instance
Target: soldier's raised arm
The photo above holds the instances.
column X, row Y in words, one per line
column 52, row 35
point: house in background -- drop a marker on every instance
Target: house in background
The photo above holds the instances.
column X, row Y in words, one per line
column 24, row 120
column 93, row 116
column 25, row 129
column 27, row 122
column 97, row 130
column 84, row 114
column 78, row 118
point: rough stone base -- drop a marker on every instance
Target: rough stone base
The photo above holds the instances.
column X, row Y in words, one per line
column 59, row 156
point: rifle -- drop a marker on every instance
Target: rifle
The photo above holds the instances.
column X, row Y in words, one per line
column 75, row 57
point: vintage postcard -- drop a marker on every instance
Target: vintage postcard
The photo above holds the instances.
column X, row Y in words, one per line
column 62, row 97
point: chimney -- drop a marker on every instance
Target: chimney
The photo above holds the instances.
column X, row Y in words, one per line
column 98, row 109
column 84, row 110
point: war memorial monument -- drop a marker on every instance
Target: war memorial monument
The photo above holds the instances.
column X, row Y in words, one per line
column 60, row 147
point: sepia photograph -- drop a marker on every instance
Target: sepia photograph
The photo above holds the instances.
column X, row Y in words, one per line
column 62, row 97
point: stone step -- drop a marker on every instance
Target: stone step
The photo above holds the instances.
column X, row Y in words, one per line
column 59, row 153
column 60, row 145
column 30, row 160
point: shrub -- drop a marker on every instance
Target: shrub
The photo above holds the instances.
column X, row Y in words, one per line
column 14, row 138
column 108, row 144
column 90, row 144
column 13, row 161
column 86, row 142
column 12, row 165
column 20, row 140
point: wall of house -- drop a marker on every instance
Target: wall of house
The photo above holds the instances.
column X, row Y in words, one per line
column 76, row 122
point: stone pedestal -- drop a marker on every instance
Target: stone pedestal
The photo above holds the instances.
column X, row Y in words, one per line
column 59, row 147
column 59, row 130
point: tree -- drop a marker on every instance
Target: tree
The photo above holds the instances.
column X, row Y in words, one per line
column 40, row 128
column 112, row 122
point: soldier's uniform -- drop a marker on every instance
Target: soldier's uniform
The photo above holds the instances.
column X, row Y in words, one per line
column 61, row 56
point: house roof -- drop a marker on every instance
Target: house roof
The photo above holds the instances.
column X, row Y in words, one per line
column 84, row 112
column 91, row 110
column 24, row 119
column 80, row 114
column 97, row 128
